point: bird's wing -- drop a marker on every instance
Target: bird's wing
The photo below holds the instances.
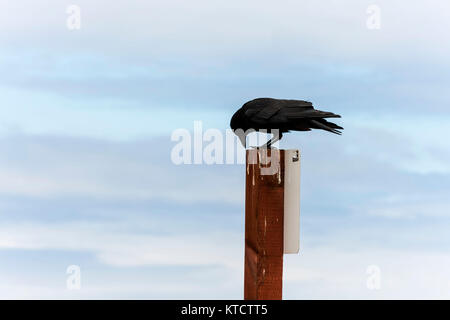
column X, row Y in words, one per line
column 261, row 110
column 294, row 113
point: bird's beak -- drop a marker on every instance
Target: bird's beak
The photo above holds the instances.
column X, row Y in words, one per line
column 242, row 135
column 243, row 139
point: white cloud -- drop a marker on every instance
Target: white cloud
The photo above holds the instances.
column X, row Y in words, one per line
column 333, row 273
column 325, row 272
column 411, row 207
column 115, row 247
column 412, row 142
column 205, row 27
column 48, row 167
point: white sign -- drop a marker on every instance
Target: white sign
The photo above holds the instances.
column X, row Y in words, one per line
column 291, row 201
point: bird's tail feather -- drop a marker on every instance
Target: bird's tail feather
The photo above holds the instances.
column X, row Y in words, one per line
column 325, row 125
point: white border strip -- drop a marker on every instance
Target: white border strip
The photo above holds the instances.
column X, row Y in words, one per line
column 292, row 201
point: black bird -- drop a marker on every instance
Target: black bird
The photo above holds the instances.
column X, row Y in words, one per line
column 284, row 115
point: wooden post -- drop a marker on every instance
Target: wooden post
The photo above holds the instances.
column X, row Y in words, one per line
column 264, row 207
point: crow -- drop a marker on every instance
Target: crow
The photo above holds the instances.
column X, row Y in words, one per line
column 266, row 114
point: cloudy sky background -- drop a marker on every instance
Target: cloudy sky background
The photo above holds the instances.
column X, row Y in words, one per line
column 85, row 121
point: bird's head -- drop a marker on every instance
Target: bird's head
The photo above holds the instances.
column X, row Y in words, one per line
column 234, row 123
column 237, row 125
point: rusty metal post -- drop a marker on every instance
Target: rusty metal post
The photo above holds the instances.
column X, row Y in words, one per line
column 264, row 207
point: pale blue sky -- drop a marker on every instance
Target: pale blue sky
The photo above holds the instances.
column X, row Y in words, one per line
column 85, row 123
